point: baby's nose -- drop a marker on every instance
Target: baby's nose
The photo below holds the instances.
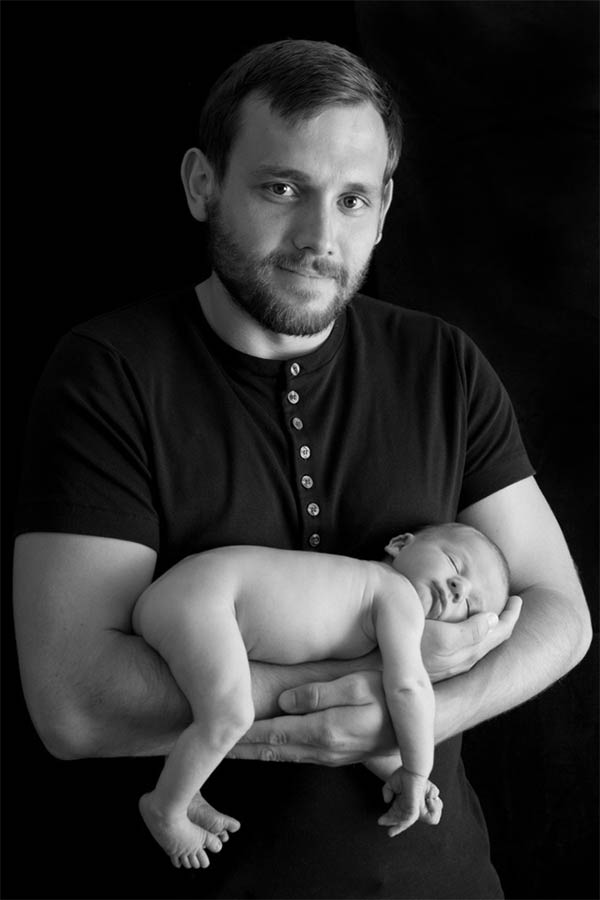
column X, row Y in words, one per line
column 460, row 587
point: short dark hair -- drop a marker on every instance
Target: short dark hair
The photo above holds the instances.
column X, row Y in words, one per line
column 298, row 78
column 502, row 561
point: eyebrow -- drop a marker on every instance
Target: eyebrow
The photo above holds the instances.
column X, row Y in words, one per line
column 288, row 174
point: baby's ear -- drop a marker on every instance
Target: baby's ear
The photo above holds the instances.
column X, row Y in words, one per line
column 398, row 543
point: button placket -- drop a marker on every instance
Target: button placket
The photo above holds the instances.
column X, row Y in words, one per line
column 297, row 421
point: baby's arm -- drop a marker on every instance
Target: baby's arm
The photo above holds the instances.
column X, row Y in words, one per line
column 399, row 620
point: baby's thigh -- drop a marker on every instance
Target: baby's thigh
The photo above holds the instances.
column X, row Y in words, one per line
column 201, row 642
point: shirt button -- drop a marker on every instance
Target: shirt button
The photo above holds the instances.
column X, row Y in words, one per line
column 313, row 509
column 314, row 540
column 295, row 369
column 293, row 397
column 297, row 423
column 306, row 481
column 304, row 452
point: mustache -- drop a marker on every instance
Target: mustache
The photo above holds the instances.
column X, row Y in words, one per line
column 303, row 263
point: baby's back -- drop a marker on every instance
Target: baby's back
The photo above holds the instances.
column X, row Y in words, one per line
column 295, row 606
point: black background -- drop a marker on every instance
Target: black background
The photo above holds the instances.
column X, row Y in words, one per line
column 493, row 227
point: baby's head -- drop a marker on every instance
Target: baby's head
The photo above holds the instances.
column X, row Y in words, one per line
column 455, row 569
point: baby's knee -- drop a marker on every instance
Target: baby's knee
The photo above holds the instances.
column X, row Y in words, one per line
column 233, row 721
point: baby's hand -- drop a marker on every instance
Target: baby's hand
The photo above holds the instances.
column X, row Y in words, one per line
column 414, row 798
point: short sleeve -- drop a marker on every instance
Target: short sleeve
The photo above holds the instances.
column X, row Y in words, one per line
column 495, row 453
column 87, row 462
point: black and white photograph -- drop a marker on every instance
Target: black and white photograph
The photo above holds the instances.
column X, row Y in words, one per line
column 300, row 445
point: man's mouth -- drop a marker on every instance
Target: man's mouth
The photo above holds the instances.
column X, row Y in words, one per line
column 305, row 273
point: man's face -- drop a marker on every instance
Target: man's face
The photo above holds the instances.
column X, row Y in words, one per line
column 293, row 225
column 455, row 573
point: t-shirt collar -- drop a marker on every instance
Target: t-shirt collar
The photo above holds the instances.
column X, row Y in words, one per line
column 309, row 362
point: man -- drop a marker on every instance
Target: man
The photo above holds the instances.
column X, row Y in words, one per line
column 273, row 405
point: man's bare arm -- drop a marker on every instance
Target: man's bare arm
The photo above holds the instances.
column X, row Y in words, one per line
column 553, row 632
column 93, row 688
column 345, row 721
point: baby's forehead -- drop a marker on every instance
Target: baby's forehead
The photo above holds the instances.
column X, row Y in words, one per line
column 455, row 534
column 463, row 537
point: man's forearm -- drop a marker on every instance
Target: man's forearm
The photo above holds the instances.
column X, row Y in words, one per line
column 133, row 706
column 137, row 709
column 544, row 645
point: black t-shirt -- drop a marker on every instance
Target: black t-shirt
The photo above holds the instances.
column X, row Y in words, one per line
column 147, row 427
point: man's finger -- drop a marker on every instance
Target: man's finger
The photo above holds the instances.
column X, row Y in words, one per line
column 507, row 621
column 293, row 739
column 512, row 611
column 477, row 627
column 355, row 689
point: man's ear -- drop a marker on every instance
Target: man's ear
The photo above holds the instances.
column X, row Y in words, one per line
column 199, row 182
column 388, row 193
column 398, row 543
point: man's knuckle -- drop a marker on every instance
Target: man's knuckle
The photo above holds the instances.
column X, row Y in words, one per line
column 277, row 737
column 329, row 737
column 268, row 754
column 357, row 691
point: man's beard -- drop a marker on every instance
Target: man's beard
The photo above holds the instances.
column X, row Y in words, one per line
column 247, row 279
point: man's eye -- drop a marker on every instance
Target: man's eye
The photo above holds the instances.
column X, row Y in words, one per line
column 280, row 189
column 353, row 202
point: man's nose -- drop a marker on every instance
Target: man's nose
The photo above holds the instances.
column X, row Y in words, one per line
column 314, row 229
column 459, row 587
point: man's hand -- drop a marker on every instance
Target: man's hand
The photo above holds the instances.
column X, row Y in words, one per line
column 451, row 648
column 332, row 723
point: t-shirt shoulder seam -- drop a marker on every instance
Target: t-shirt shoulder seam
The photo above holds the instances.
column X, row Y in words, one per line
column 100, row 342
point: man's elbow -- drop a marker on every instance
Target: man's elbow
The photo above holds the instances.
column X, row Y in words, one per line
column 65, row 732
column 583, row 633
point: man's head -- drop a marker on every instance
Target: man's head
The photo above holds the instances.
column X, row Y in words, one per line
column 455, row 569
column 297, row 79
column 299, row 140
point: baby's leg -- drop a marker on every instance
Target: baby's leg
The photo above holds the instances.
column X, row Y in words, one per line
column 414, row 797
column 199, row 638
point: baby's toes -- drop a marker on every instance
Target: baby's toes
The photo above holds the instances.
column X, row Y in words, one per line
column 197, row 859
column 201, row 860
column 212, row 843
column 230, row 824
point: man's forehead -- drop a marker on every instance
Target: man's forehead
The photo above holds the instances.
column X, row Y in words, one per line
column 353, row 133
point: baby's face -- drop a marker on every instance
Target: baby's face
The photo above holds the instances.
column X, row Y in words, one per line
column 455, row 573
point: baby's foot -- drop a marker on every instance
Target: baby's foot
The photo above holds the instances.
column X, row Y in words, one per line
column 185, row 842
column 202, row 813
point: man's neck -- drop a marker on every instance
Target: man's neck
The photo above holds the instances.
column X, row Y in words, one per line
column 238, row 329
